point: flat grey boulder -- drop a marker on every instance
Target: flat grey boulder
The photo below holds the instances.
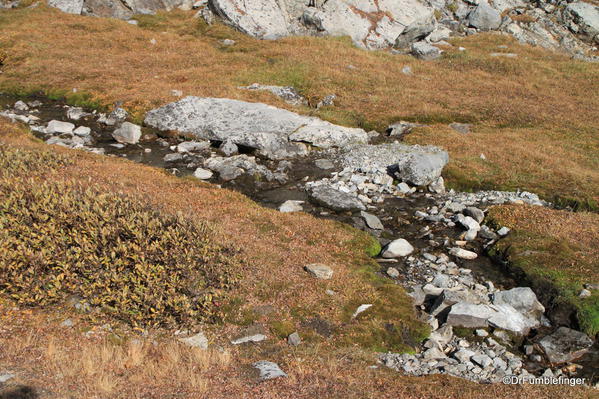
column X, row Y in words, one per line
column 583, row 18
column 276, row 133
column 484, row 17
column 523, row 299
column 230, row 168
column 268, row 370
column 397, row 248
column 565, row 345
column 416, row 31
column 469, row 315
column 328, row 196
column 509, row 319
column 114, row 9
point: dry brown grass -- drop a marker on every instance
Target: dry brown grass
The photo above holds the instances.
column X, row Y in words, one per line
column 535, row 116
column 59, row 362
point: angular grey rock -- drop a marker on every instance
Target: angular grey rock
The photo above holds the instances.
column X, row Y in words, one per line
column 229, row 148
column 82, row 131
column 372, row 221
column 523, row 299
column 319, row 270
column 393, row 272
column 468, row 222
column 330, row 197
column 468, row 315
column 484, row 17
column 482, row 360
column 434, row 354
column 504, row 231
column 57, row 127
column 291, row 206
column 294, row 339
column 263, row 19
column 268, row 370
column 463, row 355
column 324, row 164
column 174, row 157
column 232, row 167
column 197, row 341
column 128, row 133
column 414, row 32
column 565, row 345
column 508, row 318
column 21, row 106
column 425, row 51
column 583, row 17
column 274, row 132
column 5, row 377
column 397, row 248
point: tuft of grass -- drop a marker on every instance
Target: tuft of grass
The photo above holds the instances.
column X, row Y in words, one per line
column 557, row 252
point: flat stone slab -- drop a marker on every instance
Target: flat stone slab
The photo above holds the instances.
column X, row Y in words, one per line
column 268, row 370
column 197, row 341
column 276, row 133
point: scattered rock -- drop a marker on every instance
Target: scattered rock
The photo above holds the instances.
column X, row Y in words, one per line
column 324, row 164
column 82, row 131
column 291, row 206
column 268, row 370
column 57, row 127
column 393, row 272
column 463, row 253
column 202, row 174
column 523, row 299
column 127, row 133
column 397, row 248
column 4, row 377
column 361, row 309
column 484, row 17
column 294, row 339
column 372, row 221
column 249, row 338
column 425, row 51
column 192, row 146
column 463, row 128
column 197, row 341
column 334, row 199
column 319, row 271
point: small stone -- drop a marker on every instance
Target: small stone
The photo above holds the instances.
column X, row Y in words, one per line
column 504, row 231
column 397, row 248
column 404, row 188
column 584, row 293
column 202, row 174
column 294, row 339
column 174, row 157
column 5, row 377
column 463, row 253
column 475, row 213
column 55, row 127
column 291, row 206
column 393, row 272
column 67, row 323
column 249, row 338
column 407, row 70
column 176, row 93
column 128, row 133
column 229, row 148
column 372, row 221
column 319, row 271
column 228, row 42
column 21, row 106
column 361, row 309
column 268, row 370
column 463, row 128
column 481, row 333
column 192, row 146
column 197, row 341
column 82, row 131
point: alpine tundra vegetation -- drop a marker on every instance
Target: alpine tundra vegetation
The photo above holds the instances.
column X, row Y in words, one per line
column 299, row 198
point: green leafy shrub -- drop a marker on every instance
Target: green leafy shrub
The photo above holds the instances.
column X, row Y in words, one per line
column 140, row 265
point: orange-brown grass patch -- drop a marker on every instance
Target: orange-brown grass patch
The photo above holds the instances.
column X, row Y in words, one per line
column 555, row 247
column 50, row 361
column 541, row 103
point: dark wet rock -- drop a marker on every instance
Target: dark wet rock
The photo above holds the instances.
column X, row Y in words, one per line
column 565, row 345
